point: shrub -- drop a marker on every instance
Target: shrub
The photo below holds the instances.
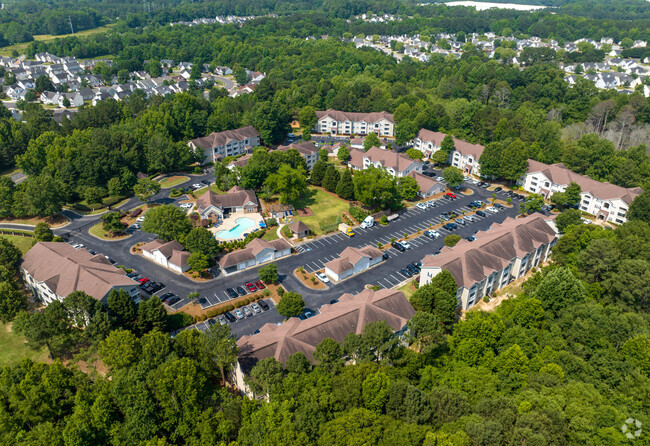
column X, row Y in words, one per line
column 266, row 293
column 486, row 299
column 271, row 222
column 357, row 213
column 229, row 307
column 178, row 320
column 110, row 201
column 136, row 213
column 174, row 193
column 379, row 245
column 280, row 291
column 383, row 220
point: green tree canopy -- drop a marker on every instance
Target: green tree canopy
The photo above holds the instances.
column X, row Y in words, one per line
column 168, row 222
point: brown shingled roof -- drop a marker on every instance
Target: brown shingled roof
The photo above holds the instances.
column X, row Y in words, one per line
column 560, row 174
column 471, row 262
column 253, row 248
column 350, row 315
column 350, row 256
column 355, row 117
column 66, row 269
column 236, row 196
column 299, row 227
column 389, row 158
column 215, row 139
column 304, row 148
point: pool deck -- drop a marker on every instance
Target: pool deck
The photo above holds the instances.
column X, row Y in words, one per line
column 231, row 222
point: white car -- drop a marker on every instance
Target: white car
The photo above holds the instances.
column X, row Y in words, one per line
column 469, row 218
column 492, row 209
column 140, row 219
column 421, row 206
column 405, row 245
column 432, row 233
column 187, row 205
column 440, row 179
column 197, row 186
column 431, row 204
column 322, row 277
column 467, row 178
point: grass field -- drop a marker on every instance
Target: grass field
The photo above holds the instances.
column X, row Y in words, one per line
column 170, row 182
column 21, row 47
column 14, row 348
column 22, row 243
column 213, row 188
column 408, row 289
column 326, row 209
column 98, row 231
column 271, row 234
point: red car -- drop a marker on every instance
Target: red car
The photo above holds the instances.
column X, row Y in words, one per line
column 260, row 285
column 250, row 286
column 144, row 280
column 451, row 195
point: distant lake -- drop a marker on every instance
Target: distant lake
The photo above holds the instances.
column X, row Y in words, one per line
column 481, row 6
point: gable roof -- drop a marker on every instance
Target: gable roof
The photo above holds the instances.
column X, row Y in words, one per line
column 425, row 182
column 350, row 256
column 236, row 196
column 560, row 174
column 253, row 248
column 471, row 262
column 216, row 139
column 66, row 269
column 468, row 149
column 354, row 117
column 430, row 136
column 306, row 148
column 389, row 159
column 350, row 315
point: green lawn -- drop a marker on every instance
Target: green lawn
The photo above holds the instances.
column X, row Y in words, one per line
column 14, row 348
column 326, row 209
column 170, row 182
column 22, row 243
column 21, row 47
column 214, row 189
column 98, row 231
column 271, row 234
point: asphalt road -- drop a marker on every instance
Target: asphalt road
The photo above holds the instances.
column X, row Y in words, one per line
column 311, row 255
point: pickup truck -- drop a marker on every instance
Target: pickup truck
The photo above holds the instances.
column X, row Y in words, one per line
column 345, row 229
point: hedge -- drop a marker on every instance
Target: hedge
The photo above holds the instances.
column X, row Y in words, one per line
column 358, row 214
column 110, row 201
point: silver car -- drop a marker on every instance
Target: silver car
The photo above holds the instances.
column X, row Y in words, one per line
column 247, row 311
column 239, row 313
column 256, row 308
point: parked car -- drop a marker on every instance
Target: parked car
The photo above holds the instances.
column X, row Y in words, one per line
column 239, row 313
column 322, row 277
column 260, row 285
column 481, row 213
column 432, row 233
column 451, row 195
column 334, row 301
column 398, row 246
column 498, row 189
column 405, row 244
column 413, row 269
column 250, row 287
column 421, row 206
column 144, row 280
column 444, row 217
column 460, row 221
column 485, row 185
column 211, row 321
column 165, row 296
column 431, row 204
column 247, row 311
column 492, row 209
column 440, row 179
column 498, row 206
column 263, row 304
column 241, row 291
column 448, row 227
column 174, row 300
column 385, row 256
column 469, row 218
column 206, row 182
column 229, row 317
column 197, row 185
column 222, row 320
column 305, row 315
column 187, row 205
column 453, row 225
column 232, row 293
column 406, row 272
column 256, row 308
column 471, row 238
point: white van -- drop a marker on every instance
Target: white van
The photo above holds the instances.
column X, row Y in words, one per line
column 369, row 222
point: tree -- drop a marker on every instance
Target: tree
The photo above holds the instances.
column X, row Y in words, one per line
column 408, row 188
column 343, row 154
column 151, row 315
column 640, row 207
column 331, row 179
column 567, row 218
column 490, row 160
column 436, row 299
column 345, row 188
column 9, row 255
column 43, row 83
column 323, row 155
column 30, row 96
column 375, row 391
column 195, row 71
column 123, row 76
column 447, row 145
column 426, row 329
column 43, row 233
column 298, row 363
column 50, row 327
column 145, row 188
column 533, row 203
column 307, row 117
column 168, row 222
column 291, row 304
column 452, row 239
column 370, row 141
column 376, row 188
column 7, row 191
column 220, row 347
column 290, row 183
column 569, row 198
column 453, row 176
column 318, row 172
column 202, row 241
column 112, row 223
column 43, row 196
column 12, row 302
column 268, row 273
column 241, row 77
column 328, row 355
column 120, row 349
column 414, row 154
column 265, row 376
column 636, row 350
column 198, row 261
column 122, row 309
column 154, row 68
column 559, row 289
column 514, row 161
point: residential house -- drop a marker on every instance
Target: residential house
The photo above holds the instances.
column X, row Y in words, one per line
column 53, row 270
column 87, row 94
column 466, row 156
column 213, row 207
column 396, row 164
column 307, row 150
column 356, row 143
column 50, row 98
column 75, row 99
column 498, row 256
column 347, row 123
column 428, row 186
column 171, row 255
column 353, row 261
column 335, row 321
column 608, row 202
column 257, row 252
column 299, row 229
column 428, row 142
column 239, row 162
column 223, row 71
column 218, row 145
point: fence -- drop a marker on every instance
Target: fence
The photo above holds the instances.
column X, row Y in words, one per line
column 16, row 232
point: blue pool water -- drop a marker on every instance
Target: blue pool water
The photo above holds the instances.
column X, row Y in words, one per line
column 243, row 224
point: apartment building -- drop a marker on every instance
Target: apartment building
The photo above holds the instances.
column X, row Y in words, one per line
column 466, row 156
column 608, row 202
column 218, row 145
column 396, row 164
column 307, row 150
column 347, row 123
column 498, row 256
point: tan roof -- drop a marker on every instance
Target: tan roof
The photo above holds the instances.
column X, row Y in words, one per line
column 560, row 174
column 356, row 157
column 389, row 158
column 280, row 207
column 430, row 136
column 253, row 248
column 470, row 262
column 350, row 315
column 66, row 269
column 241, row 161
column 355, row 117
column 222, row 138
column 304, row 148
column 339, row 265
column 350, row 256
column 426, row 183
column 236, row 196
column 173, row 251
column 467, row 149
column 299, row 227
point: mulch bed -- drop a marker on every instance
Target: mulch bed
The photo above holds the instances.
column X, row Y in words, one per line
column 306, row 212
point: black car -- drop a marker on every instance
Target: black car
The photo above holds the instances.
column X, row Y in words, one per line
column 203, row 300
column 241, row 291
column 263, row 305
column 165, row 296
column 498, row 206
column 437, row 252
column 413, row 268
column 232, row 293
column 205, row 182
column 481, row 213
column 385, row 256
column 406, row 272
column 398, row 246
column 498, row 189
column 333, row 301
column 453, row 225
column 230, row 317
column 471, row 238
column 174, row 300
column 212, row 321
column 157, row 287
column 418, row 264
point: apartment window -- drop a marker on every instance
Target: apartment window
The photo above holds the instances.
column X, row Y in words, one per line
column 547, row 184
column 606, row 206
column 584, row 208
column 621, row 214
column 533, row 183
column 618, row 220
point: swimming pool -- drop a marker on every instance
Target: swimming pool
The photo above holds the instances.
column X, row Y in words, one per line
column 243, row 224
